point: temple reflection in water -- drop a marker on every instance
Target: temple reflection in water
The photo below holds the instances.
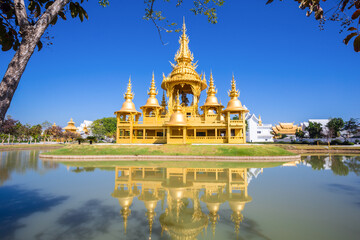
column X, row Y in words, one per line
column 183, row 189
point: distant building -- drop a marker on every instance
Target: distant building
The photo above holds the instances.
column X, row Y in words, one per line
column 286, row 128
column 257, row 131
column 84, row 128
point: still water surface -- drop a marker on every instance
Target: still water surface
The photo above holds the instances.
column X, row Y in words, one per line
column 318, row 198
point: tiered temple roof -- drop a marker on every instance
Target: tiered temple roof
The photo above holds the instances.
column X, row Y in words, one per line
column 286, row 128
column 70, row 127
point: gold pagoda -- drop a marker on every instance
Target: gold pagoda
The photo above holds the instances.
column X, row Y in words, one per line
column 179, row 120
column 70, row 127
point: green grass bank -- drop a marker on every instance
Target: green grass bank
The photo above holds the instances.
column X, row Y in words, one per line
column 172, row 150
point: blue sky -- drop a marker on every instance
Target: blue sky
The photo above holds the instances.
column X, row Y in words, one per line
column 286, row 69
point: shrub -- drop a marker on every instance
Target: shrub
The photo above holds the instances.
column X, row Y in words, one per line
column 348, row 143
column 336, row 142
column 318, row 142
column 357, row 141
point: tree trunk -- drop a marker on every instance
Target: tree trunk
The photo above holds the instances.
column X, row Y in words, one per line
column 17, row 65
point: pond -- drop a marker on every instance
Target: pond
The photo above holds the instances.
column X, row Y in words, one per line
column 317, row 198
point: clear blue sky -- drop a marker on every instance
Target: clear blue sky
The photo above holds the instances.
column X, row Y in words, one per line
column 286, row 69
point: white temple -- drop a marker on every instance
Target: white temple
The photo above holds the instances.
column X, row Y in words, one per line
column 84, row 128
column 257, row 131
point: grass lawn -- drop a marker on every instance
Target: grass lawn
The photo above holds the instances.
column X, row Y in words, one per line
column 190, row 150
column 178, row 164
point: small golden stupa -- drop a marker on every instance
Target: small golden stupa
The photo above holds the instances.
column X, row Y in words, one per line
column 70, row 127
column 85, row 129
column 179, row 120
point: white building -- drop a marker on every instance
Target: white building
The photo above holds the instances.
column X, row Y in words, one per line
column 86, row 124
column 257, row 131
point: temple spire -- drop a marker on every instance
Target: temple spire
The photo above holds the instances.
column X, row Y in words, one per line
column 129, row 94
column 233, row 93
column 163, row 101
column 211, row 90
column 152, row 91
column 184, row 55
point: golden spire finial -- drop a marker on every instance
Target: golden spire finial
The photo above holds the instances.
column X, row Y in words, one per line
column 152, row 92
column 233, row 93
column 163, row 101
column 260, row 122
column 184, row 55
column 211, row 90
column 129, row 94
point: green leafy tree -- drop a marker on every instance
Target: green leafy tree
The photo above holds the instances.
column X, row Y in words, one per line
column 46, row 125
column 347, row 12
column 334, row 126
column 23, row 24
column 299, row 134
column 275, row 135
column 104, row 127
column 35, row 132
column 350, row 128
column 314, row 129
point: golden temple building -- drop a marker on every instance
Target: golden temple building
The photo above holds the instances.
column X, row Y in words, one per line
column 70, row 127
column 174, row 189
column 179, row 120
column 286, row 128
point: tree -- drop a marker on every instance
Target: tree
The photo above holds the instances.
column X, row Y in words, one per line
column 69, row 136
column 53, row 132
column 334, row 126
column 35, row 132
column 314, row 129
column 299, row 134
column 45, row 125
column 347, row 12
column 350, row 128
column 9, row 128
column 104, row 127
column 22, row 28
column 275, row 135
